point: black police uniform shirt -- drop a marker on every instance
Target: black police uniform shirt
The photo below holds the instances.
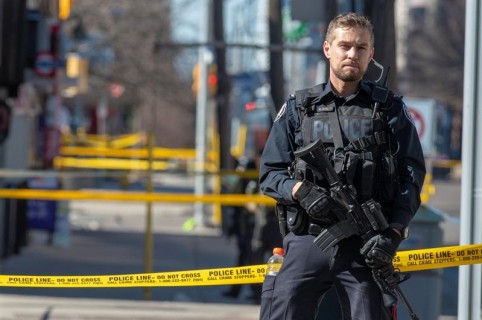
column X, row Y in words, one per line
column 286, row 136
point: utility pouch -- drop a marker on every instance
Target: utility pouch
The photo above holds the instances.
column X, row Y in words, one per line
column 360, row 171
column 367, row 176
column 388, row 184
column 280, row 211
column 374, row 215
column 296, row 219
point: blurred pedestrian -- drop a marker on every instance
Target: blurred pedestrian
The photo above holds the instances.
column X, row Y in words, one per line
column 266, row 234
column 239, row 223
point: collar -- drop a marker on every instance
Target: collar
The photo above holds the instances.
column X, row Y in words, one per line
column 327, row 92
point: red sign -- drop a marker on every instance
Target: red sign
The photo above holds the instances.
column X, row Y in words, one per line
column 116, row 90
column 45, row 64
column 418, row 121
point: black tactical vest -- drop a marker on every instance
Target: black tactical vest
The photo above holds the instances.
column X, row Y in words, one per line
column 354, row 132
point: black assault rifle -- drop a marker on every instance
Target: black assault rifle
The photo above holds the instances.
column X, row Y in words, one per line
column 364, row 220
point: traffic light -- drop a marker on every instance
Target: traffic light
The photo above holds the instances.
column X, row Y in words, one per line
column 195, row 79
column 77, row 68
column 12, row 45
column 72, row 67
column 64, row 9
column 212, row 80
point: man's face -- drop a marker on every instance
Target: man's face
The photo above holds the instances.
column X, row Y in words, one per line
column 349, row 53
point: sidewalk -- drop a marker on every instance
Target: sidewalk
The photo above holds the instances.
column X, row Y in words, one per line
column 19, row 307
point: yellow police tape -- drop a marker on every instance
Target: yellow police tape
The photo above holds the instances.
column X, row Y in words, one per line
column 207, row 277
column 413, row 260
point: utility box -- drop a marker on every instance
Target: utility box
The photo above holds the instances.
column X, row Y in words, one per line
column 42, row 213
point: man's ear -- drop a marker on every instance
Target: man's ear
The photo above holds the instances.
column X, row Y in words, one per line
column 326, row 49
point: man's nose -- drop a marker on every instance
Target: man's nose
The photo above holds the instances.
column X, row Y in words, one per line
column 352, row 53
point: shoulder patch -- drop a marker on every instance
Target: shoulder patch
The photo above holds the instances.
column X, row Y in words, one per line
column 281, row 112
column 407, row 113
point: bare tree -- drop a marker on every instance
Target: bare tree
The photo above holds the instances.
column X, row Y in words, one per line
column 436, row 62
column 436, row 56
column 382, row 15
column 157, row 97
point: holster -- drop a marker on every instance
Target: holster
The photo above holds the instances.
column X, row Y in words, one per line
column 291, row 218
column 280, row 210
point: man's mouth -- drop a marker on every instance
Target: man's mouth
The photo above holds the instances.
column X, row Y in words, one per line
column 352, row 66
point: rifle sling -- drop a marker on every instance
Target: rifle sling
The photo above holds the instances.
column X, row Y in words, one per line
column 335, row 126
column 337, row 135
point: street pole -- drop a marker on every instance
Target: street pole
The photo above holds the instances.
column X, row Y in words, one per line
column 223, row 111
column 382, row 16
column 469, row 303
column 201, row 114
column 276, row 70
column 148, row 241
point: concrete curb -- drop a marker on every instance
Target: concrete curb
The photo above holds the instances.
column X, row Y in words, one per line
column 19, row 307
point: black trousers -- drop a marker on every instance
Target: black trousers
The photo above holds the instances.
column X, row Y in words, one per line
column 308, row 273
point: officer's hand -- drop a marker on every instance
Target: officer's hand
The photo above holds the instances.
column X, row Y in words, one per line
column 386, row 278
column 380, row 249
column 315, row 200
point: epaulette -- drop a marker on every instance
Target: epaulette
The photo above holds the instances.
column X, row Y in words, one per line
column 303, row 96
column 300, row 98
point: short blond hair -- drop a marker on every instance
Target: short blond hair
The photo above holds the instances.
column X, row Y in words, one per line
column 349, row 20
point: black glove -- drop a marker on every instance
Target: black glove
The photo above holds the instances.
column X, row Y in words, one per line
column 380, row 249
column 315, row 200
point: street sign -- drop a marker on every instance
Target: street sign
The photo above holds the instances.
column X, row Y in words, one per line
column 422, row 112
column 42, row 213
column 45, row 64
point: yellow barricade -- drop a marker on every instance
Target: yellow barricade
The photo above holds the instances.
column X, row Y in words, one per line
column 224, row 199
column 110, row 164
column 102, row 141
column 404, row 261
column 157, row 153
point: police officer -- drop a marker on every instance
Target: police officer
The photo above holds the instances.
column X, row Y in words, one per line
column 374, row 147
